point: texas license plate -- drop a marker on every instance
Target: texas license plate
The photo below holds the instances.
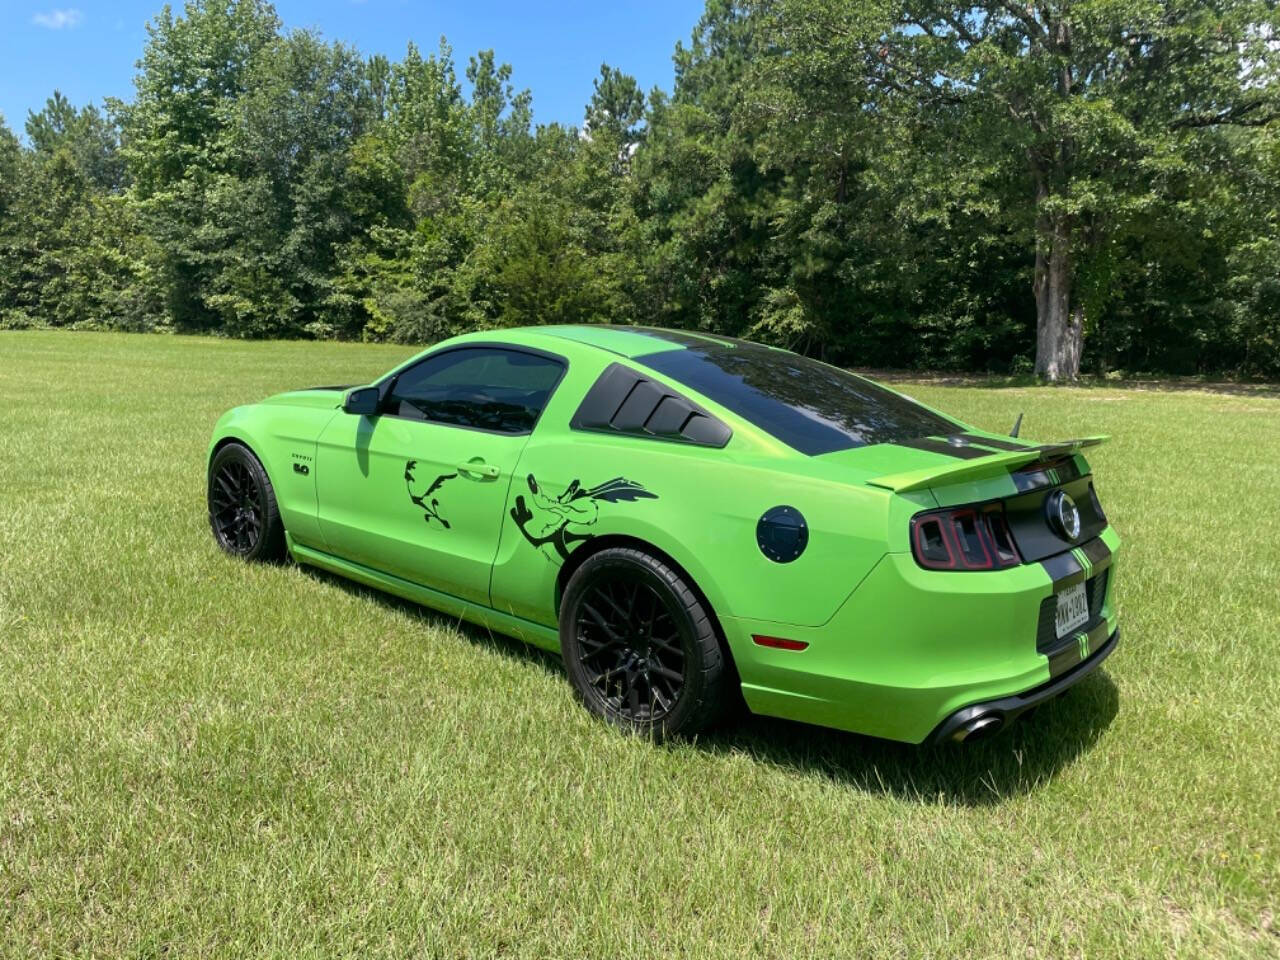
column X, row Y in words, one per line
column 1073, row 609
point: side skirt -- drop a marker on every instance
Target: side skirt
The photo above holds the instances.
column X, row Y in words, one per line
column 534, row 633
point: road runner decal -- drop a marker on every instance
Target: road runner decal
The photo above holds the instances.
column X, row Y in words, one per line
column 429, row 504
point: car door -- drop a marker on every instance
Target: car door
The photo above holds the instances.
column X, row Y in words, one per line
column 418, row 490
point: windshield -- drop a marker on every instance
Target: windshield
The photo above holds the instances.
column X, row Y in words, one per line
column 810, row 406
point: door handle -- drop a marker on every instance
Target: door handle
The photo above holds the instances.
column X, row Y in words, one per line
column 478, row 468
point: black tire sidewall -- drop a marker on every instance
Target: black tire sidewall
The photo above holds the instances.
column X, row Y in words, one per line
column 270, row 543
column 627, row 562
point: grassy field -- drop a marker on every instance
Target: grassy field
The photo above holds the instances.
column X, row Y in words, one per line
column 204, row 758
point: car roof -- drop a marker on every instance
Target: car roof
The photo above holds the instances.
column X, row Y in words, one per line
column 631, row 341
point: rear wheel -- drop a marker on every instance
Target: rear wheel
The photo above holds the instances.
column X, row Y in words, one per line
column 639, row 645
column 243, row 513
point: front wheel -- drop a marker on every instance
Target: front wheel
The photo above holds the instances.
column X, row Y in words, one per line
column 243, row 513
column 639, row 645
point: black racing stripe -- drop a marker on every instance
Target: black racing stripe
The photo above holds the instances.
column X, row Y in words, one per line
column 1036, row 476
column 935, row 445
column 686, row 338
column 1063, row 569
column 1066, row 658
column 1069, row 446
column 1025, row 481
column 1068, row 471
column 1066, row 571
column 998, row 444
column 1068, row 655
column 1097, row 552
column 1051, row 450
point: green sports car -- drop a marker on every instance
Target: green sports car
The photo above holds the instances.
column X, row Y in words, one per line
column 686, row 516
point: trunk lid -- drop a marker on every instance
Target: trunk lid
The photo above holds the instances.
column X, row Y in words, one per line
column 969, row 469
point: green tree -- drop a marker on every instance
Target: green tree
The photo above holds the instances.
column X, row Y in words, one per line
column 193, row 70
column 92, row 139
column 616, row 107
column 700, row 198
column 428, row 128
column 873, row 182
column 12, row 250
column 281, row 212
column 501, row 125
column 10, row 162
column 1069, row 115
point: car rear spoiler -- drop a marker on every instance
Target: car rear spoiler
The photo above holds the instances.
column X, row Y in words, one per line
column 1000, row 461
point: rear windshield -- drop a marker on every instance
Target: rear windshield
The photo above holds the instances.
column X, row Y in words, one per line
column 808, row 405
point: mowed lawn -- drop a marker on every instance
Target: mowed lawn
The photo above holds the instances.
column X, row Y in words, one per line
column 199, row 757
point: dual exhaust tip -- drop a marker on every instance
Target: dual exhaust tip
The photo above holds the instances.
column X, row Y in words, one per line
column 979, row 728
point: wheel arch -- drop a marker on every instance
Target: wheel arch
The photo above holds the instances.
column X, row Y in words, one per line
column 257, row 428
column 226, row 441
column 229, row 437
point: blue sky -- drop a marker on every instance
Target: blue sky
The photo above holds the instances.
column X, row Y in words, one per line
column 87, row 48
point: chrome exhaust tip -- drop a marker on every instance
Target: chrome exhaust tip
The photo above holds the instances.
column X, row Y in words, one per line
column 979, row 728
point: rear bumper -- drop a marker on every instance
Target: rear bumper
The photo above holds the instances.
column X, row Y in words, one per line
column 1004, row 710
column 911, row 647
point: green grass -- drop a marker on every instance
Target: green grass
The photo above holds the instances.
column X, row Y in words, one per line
column 204, row 758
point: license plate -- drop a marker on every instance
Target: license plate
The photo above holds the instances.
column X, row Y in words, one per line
column 1073, row 609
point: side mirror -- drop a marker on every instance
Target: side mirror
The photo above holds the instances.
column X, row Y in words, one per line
column 362, row 401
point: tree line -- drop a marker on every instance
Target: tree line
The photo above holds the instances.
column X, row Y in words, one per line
column 1057, row 186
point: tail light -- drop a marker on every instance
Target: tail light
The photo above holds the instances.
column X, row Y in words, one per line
column 963, row 538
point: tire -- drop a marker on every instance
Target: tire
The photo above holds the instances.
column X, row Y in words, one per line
column 640, row 647
column 243, row 513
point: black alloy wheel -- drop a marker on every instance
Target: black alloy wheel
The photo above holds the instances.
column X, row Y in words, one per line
column 630, row 649
column 243, row 512
column 639, row 645
column 237, row 508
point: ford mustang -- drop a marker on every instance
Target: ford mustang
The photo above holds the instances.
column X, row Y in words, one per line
column 689, row 520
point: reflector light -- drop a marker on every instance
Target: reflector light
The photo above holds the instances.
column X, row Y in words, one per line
column 780, row 643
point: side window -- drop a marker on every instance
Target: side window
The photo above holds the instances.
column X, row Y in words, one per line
column 484, row 388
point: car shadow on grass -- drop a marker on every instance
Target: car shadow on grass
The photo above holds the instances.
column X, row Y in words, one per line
column 499, row 643
column 1019, row 760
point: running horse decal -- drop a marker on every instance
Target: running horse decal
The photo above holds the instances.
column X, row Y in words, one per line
column 559, row 522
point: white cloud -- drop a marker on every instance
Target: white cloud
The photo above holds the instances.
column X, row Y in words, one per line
column 58, row 19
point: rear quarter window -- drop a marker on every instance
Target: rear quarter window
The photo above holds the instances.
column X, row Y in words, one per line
column 810, row 406
column 625, row 401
